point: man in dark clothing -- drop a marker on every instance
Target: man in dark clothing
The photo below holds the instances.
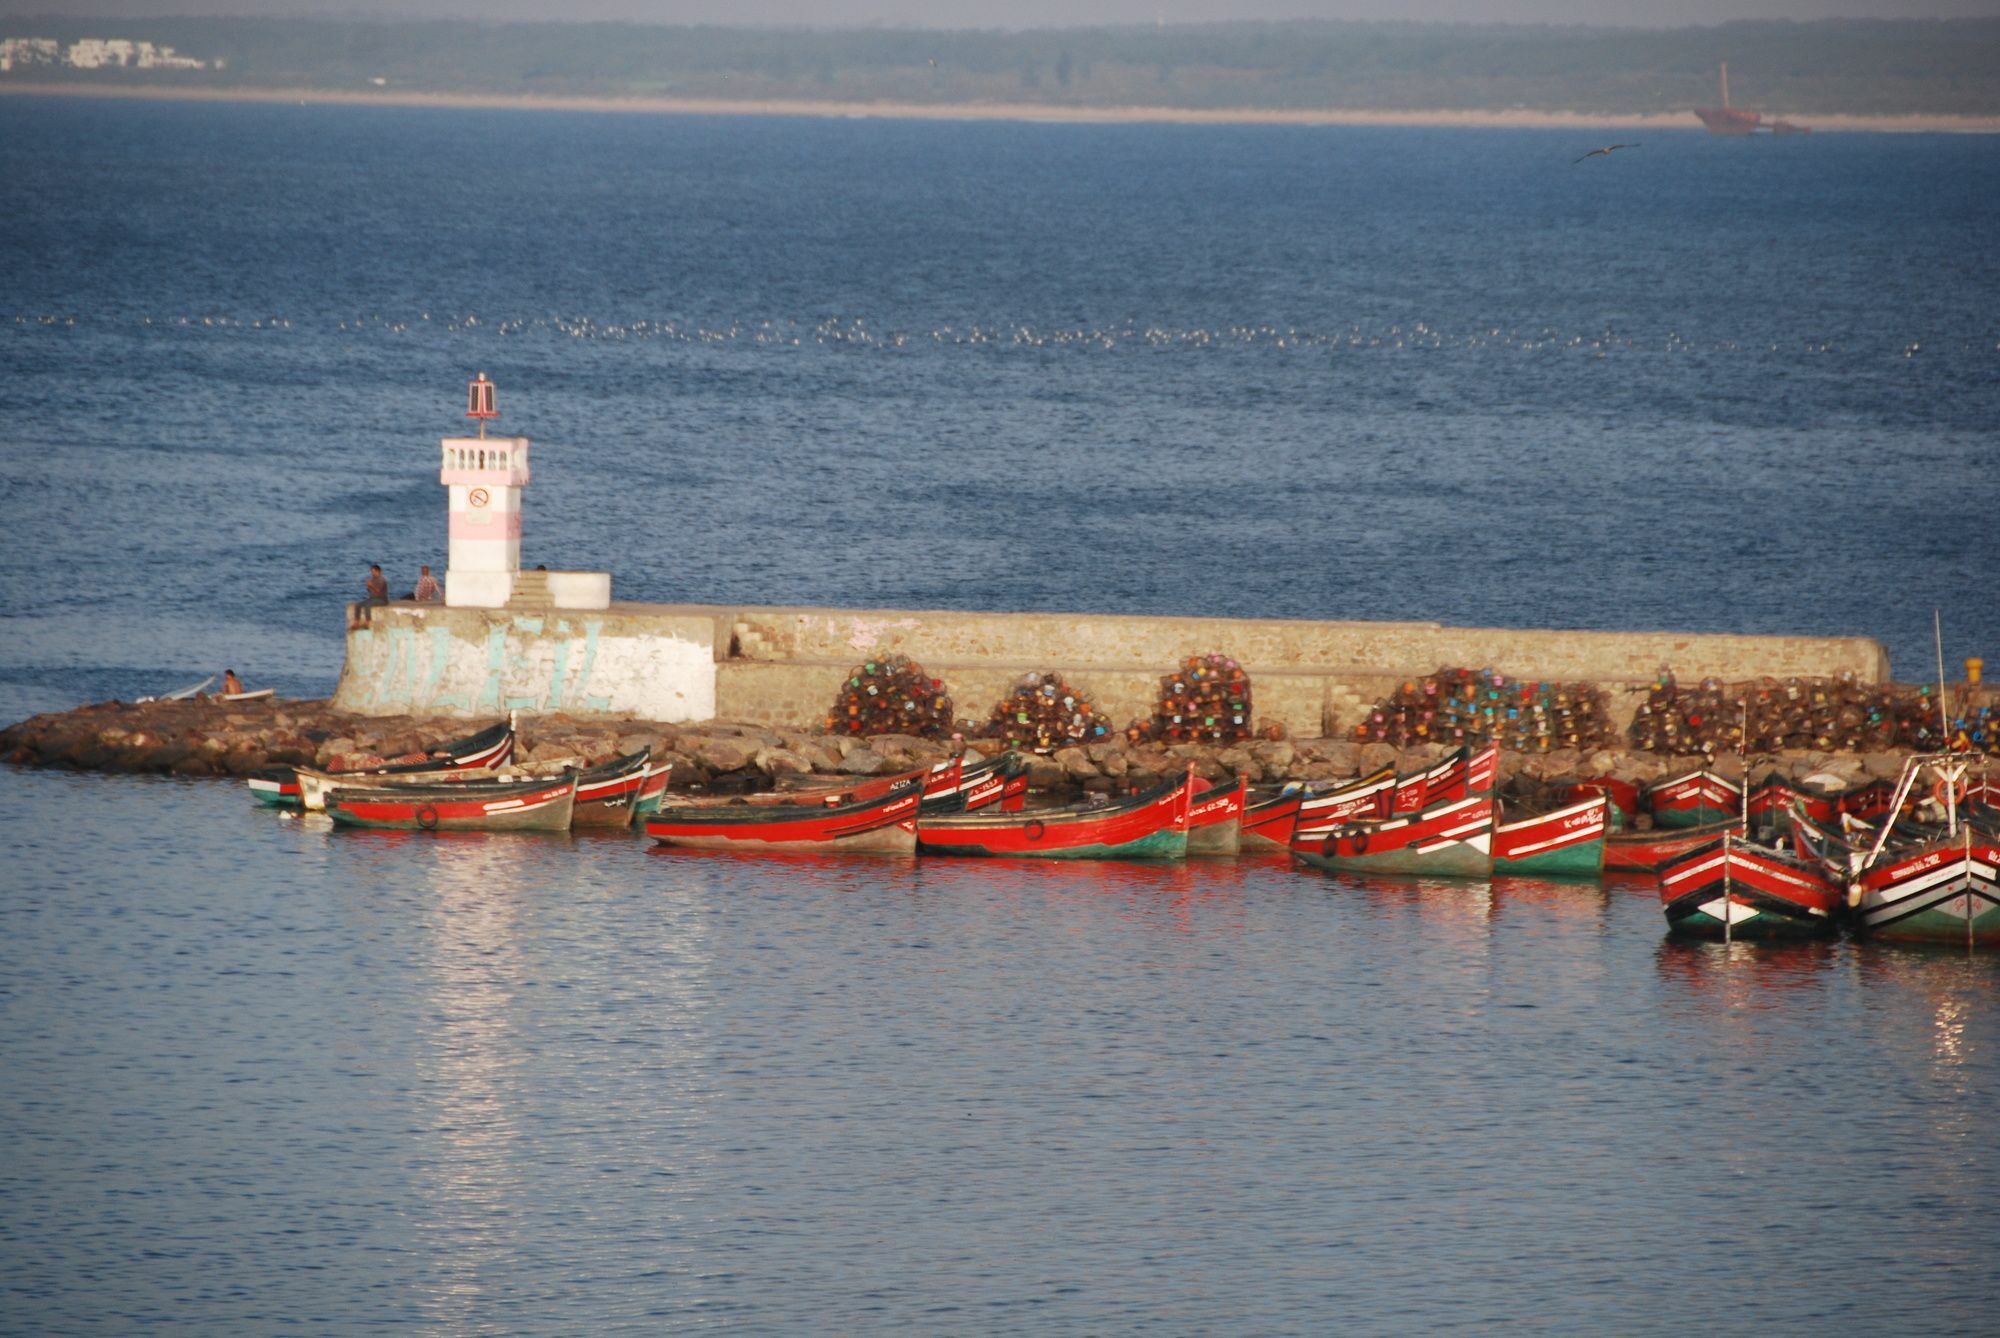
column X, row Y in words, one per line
column 378, row 585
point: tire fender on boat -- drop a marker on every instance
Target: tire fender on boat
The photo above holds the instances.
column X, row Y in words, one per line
column 1035, row 828
column 427, row 818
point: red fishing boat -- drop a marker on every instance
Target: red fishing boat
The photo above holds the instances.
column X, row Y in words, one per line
column 1152, row 825
column 1775, row 801
column 653, row 790
column 1623, row 794
column 1268, row 819
column 1693, row 799
column 884, row 824
column 1729, row 888
column 525, row 806
column 1449, row 839
column 1365, row 797
column 1214, row 825
column 1938, row 882
column 1568, row 841
column 490, row 748
column 1652, row 851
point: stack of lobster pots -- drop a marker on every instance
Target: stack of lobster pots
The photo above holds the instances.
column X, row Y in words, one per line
column 892, row 695
column 1206, row 700
column 1468, row 706
column 1043, row 713
column 1769, row 715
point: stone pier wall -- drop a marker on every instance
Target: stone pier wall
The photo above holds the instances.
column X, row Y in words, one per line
column 782, row 666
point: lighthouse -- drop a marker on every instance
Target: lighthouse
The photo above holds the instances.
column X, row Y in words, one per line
column 484, row 476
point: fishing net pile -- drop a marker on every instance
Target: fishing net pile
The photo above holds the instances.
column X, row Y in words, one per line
column 892, row 695
column 1043, row 713
column 1476, row 706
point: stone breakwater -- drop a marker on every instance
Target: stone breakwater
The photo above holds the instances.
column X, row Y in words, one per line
column 205, row 738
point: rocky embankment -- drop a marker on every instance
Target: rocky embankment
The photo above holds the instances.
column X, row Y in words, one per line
column 205, row 738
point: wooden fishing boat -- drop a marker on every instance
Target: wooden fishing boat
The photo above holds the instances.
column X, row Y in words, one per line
column 523, row 806
column 883, row 824
column 1731, row 888
column 1566, row 842
column 1268, row 819
column 652, row 791
column 1364, row 797
column 1452, row 839
column 1214, row 824
column 1693, row 799
column 1152, row 825
column 1775, row 801
column 607, row 795
column 314, row 784
column 1652, row 851
column 1945, row 889
column 1623, row 794
column 1937, row 882
column 486, row 751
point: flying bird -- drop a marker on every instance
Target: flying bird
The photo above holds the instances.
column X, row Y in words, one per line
column 1608, row 148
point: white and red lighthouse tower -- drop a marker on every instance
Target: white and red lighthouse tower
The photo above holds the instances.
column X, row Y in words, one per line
column 485, row 476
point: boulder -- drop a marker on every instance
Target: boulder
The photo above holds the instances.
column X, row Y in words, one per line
column 1076, row 763
column 1882, row 766
column 781, row 762
column 818, row 756
column 862, row 762
column 1276, row 756
column 722, row 754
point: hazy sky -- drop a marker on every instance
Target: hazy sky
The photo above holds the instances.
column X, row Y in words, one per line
column 1036, row 13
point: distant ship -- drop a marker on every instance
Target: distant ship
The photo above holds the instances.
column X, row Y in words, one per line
column 1728, row 120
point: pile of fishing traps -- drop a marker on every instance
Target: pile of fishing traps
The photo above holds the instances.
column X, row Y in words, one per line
column 891, row 696
column 1044, row 713
column 1467, row 706
column 1840, row 714
column 1206, row 700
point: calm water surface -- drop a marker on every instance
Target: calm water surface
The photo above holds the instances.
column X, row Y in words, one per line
column 258, row 1075
column 261, row 1072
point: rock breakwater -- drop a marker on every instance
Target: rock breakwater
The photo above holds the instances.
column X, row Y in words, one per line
column 206, row 738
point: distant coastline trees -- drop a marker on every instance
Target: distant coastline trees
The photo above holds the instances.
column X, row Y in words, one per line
column 1858, row 67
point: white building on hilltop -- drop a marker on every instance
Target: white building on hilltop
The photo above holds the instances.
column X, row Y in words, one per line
column 93, row 53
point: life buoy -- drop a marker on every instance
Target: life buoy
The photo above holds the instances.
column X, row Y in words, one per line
column 1949, row 795
column 1035, row 828
column 427, row 818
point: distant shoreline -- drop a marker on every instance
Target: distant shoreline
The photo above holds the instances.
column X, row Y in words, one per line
column 993, row 111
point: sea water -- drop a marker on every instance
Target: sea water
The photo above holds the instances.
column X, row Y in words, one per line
column 259, row 1074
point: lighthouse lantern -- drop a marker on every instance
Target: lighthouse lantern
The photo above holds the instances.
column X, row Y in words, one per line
column 479, row 401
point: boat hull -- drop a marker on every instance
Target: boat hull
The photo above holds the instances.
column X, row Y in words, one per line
column 607, row 796
column 1652, row 851
column 1568, row 843
column 1152, row 826
column 1695, row 799
column 885, row 825
column 1453, row 839
column 1215, row 821
column 542, row 807
column 1725, row 889
column 1947, row 891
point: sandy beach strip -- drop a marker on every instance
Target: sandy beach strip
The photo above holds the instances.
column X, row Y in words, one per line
column 1516, row 119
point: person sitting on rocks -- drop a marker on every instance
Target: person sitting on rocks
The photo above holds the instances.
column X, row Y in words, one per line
column 377, row 585
column 427, row 591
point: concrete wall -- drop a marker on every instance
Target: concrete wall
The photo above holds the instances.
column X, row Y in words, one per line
column 781, row 666
column 632, row 660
